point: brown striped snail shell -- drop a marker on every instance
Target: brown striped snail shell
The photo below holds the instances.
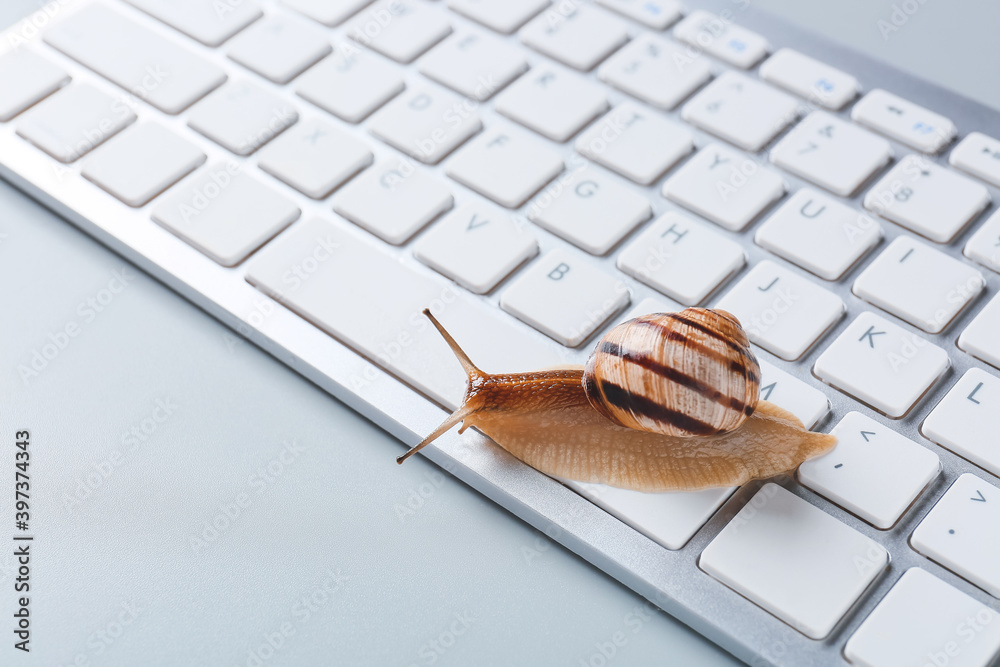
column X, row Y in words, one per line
column 682, row 374
column 667, row 402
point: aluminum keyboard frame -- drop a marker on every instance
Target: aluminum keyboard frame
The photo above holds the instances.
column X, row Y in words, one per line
column 670, row 579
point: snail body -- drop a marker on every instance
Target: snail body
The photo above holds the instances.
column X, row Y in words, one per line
column 674, row 407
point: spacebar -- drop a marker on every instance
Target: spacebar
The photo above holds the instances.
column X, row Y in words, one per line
column 372, row 302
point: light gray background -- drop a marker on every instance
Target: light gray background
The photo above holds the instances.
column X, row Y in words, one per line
column 390, row 556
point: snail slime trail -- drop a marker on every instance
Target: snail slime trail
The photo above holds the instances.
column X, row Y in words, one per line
column 666, row 402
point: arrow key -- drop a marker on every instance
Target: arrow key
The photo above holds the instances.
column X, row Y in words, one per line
column 960, row 532
column 853, row 474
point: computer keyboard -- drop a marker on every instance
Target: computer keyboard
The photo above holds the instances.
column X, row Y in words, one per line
column 316, row 172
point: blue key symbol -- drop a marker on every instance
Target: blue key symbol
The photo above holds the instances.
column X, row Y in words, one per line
column 737, row 45
column 824, row 85
column 652, row 8
column 922, row 128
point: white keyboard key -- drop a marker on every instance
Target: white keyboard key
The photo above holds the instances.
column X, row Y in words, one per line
column 960, row 532
column 242, row 117
column 819, row 233
column 831, row 153
column 350, row 84
column 719, row 37
column 506, row 165
column 979, row 155
column 669, row 519
column 899, row 119
column 477, row 246
column 807, row 403
column 982, row 337
column 74, row 122
column 967, row 419
column 984, row 245
column 424, row 124
column 930, row 200
column 638, row 143
column 590, row 209
column 794, row 560
column 142, row 62
column 810, row 79
column 727, row 187
column 564, row 296
column 656, row 71
column 243, row 215
column 504, row 16
column 393, row 200
column 553, row 101
column 314, row 157
column 741, row 110
column 919, row 284
column 208, row 22
column 782, row 312
column 279, row 48
column 26, row 78
column 881, row 364
column 399, row 29
column 474, row 64
column 328, row 12
column 368, row 299
column 682, row 258
column 123, row 168
column 657, row 14
column 853, row 475
column 924, row 621
column 581, row 36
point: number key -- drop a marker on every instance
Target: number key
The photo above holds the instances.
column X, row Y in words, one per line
column 832, row 154
column 932, row 201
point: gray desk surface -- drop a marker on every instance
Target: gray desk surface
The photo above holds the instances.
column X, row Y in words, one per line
column 195, row 502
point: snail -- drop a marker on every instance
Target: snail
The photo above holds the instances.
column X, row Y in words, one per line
column 666, row 402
